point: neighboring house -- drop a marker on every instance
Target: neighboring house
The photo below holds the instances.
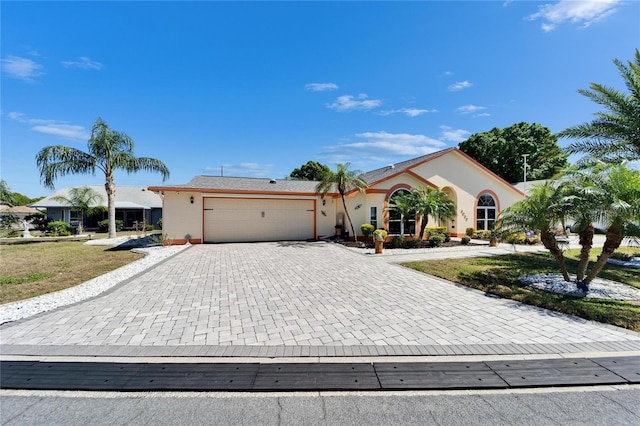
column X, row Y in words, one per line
column 134, row 204
column 214, row 209
column 20, row 212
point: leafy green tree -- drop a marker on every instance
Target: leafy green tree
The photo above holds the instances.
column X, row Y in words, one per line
column 501, row 150
column 540, row 211
column 108, row 151
column 313, row 171
column 84, row 200
column 430, row 202
column 342, row 180
column 614, row 135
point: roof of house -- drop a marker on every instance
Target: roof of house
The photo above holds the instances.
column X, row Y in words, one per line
column 127, row 197
column 5, row 208
column 242, row 184
column 253, row 185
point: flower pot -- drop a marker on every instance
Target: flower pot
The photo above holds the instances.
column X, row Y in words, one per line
column 379, row 246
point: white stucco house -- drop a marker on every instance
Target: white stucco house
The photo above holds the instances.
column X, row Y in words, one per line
column 214, row 209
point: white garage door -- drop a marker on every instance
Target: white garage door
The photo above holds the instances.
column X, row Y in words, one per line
column 243, row 220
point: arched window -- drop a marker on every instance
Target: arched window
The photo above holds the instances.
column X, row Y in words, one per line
column 486, row 212
column 398, row 223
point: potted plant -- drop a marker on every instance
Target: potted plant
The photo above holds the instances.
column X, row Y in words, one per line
column 379, row 235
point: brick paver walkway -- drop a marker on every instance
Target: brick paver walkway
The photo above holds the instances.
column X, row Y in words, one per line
column 301, row 296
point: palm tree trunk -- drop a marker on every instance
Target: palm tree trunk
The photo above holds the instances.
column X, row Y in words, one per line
column 615, row 235
column 423, row 225
column 586, row 242
column 110, row 187
column 550, row 243
column 344, row 204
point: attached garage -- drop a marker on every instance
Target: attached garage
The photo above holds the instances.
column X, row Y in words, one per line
column 257, row 219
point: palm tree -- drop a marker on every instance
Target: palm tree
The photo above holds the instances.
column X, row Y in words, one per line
column 342, row 180
column 540, row 211
column 84, row 200
column 6, row 196
column 621, row 188
column 404, row 205
column 582, row 200
column 432, row 202
column 108, row 151
column 614, row 135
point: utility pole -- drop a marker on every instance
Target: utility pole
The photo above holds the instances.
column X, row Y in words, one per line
column 524, row 172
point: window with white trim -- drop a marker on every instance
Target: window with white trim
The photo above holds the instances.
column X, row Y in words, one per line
column 398, row 224
column 373, row 216
column 486, row 212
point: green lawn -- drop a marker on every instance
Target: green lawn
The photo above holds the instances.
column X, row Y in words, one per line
column 499, row 275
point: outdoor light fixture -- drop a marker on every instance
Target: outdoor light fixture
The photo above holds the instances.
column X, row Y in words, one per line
column 191, row 199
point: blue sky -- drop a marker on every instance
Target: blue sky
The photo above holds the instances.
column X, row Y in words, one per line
column 260, row 88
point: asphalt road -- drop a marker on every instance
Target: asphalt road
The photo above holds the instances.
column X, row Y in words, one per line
column 556, row 406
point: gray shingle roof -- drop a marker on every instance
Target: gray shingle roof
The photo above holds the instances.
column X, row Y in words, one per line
column 385, row 172
column 126, row 197
column 224, row 183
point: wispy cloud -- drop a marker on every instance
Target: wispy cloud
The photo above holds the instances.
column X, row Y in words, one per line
column 584, row 12
column 52, row 127
column 460, row 85
column 453, row 135
column 21, row 68
column 409, row 112
column 241, row 170
column 468, row 109
column 350, row 103
column 384, row 144
column 84, row 63
column 321, row 87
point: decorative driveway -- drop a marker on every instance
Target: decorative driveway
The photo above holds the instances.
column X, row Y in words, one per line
column 300, row 299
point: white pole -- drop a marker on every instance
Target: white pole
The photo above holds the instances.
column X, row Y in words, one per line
column 524, row 172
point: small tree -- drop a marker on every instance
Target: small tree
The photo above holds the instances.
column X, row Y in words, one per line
column 432, row 202
column 342, row 180
column 367, row 229
column 84, row 200
column 312, row 170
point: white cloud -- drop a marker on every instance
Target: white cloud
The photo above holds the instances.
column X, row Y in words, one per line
column 68, row 131
column 256, row 170
column 52, row 127
column 468, row 109
column 21, row 68
column 460, row 85
column 384, row 144
column 84, row 63
column 454, row 135
column 321, row 87
column 585, row 12
column 348, row 103
column 409, row 112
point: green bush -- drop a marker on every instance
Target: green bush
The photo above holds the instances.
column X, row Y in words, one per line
column 59, row 228
column 447, row 237
column 414, row 243
column 436, row 240
column 399, row 242
column 149, row 228
column 104, row 225
column 435, row 230
column 367, row 229
column 466, row 240
column 533, row 240
column 516, row 238
column 482, row 235
column 470, row 231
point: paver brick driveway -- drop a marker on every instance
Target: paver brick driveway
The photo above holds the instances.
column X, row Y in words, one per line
column 297, row 294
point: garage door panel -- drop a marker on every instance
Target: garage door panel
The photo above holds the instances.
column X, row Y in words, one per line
column 241, row 220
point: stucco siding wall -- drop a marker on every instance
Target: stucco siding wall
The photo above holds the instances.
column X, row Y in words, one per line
column 180, row 217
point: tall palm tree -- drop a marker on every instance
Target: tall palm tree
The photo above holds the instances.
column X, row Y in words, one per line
column 540, row 211
column 432, row 202
column 342, row 180
column 614, row 135
column 84, row 200
column 621, row 187
column 108, row 151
